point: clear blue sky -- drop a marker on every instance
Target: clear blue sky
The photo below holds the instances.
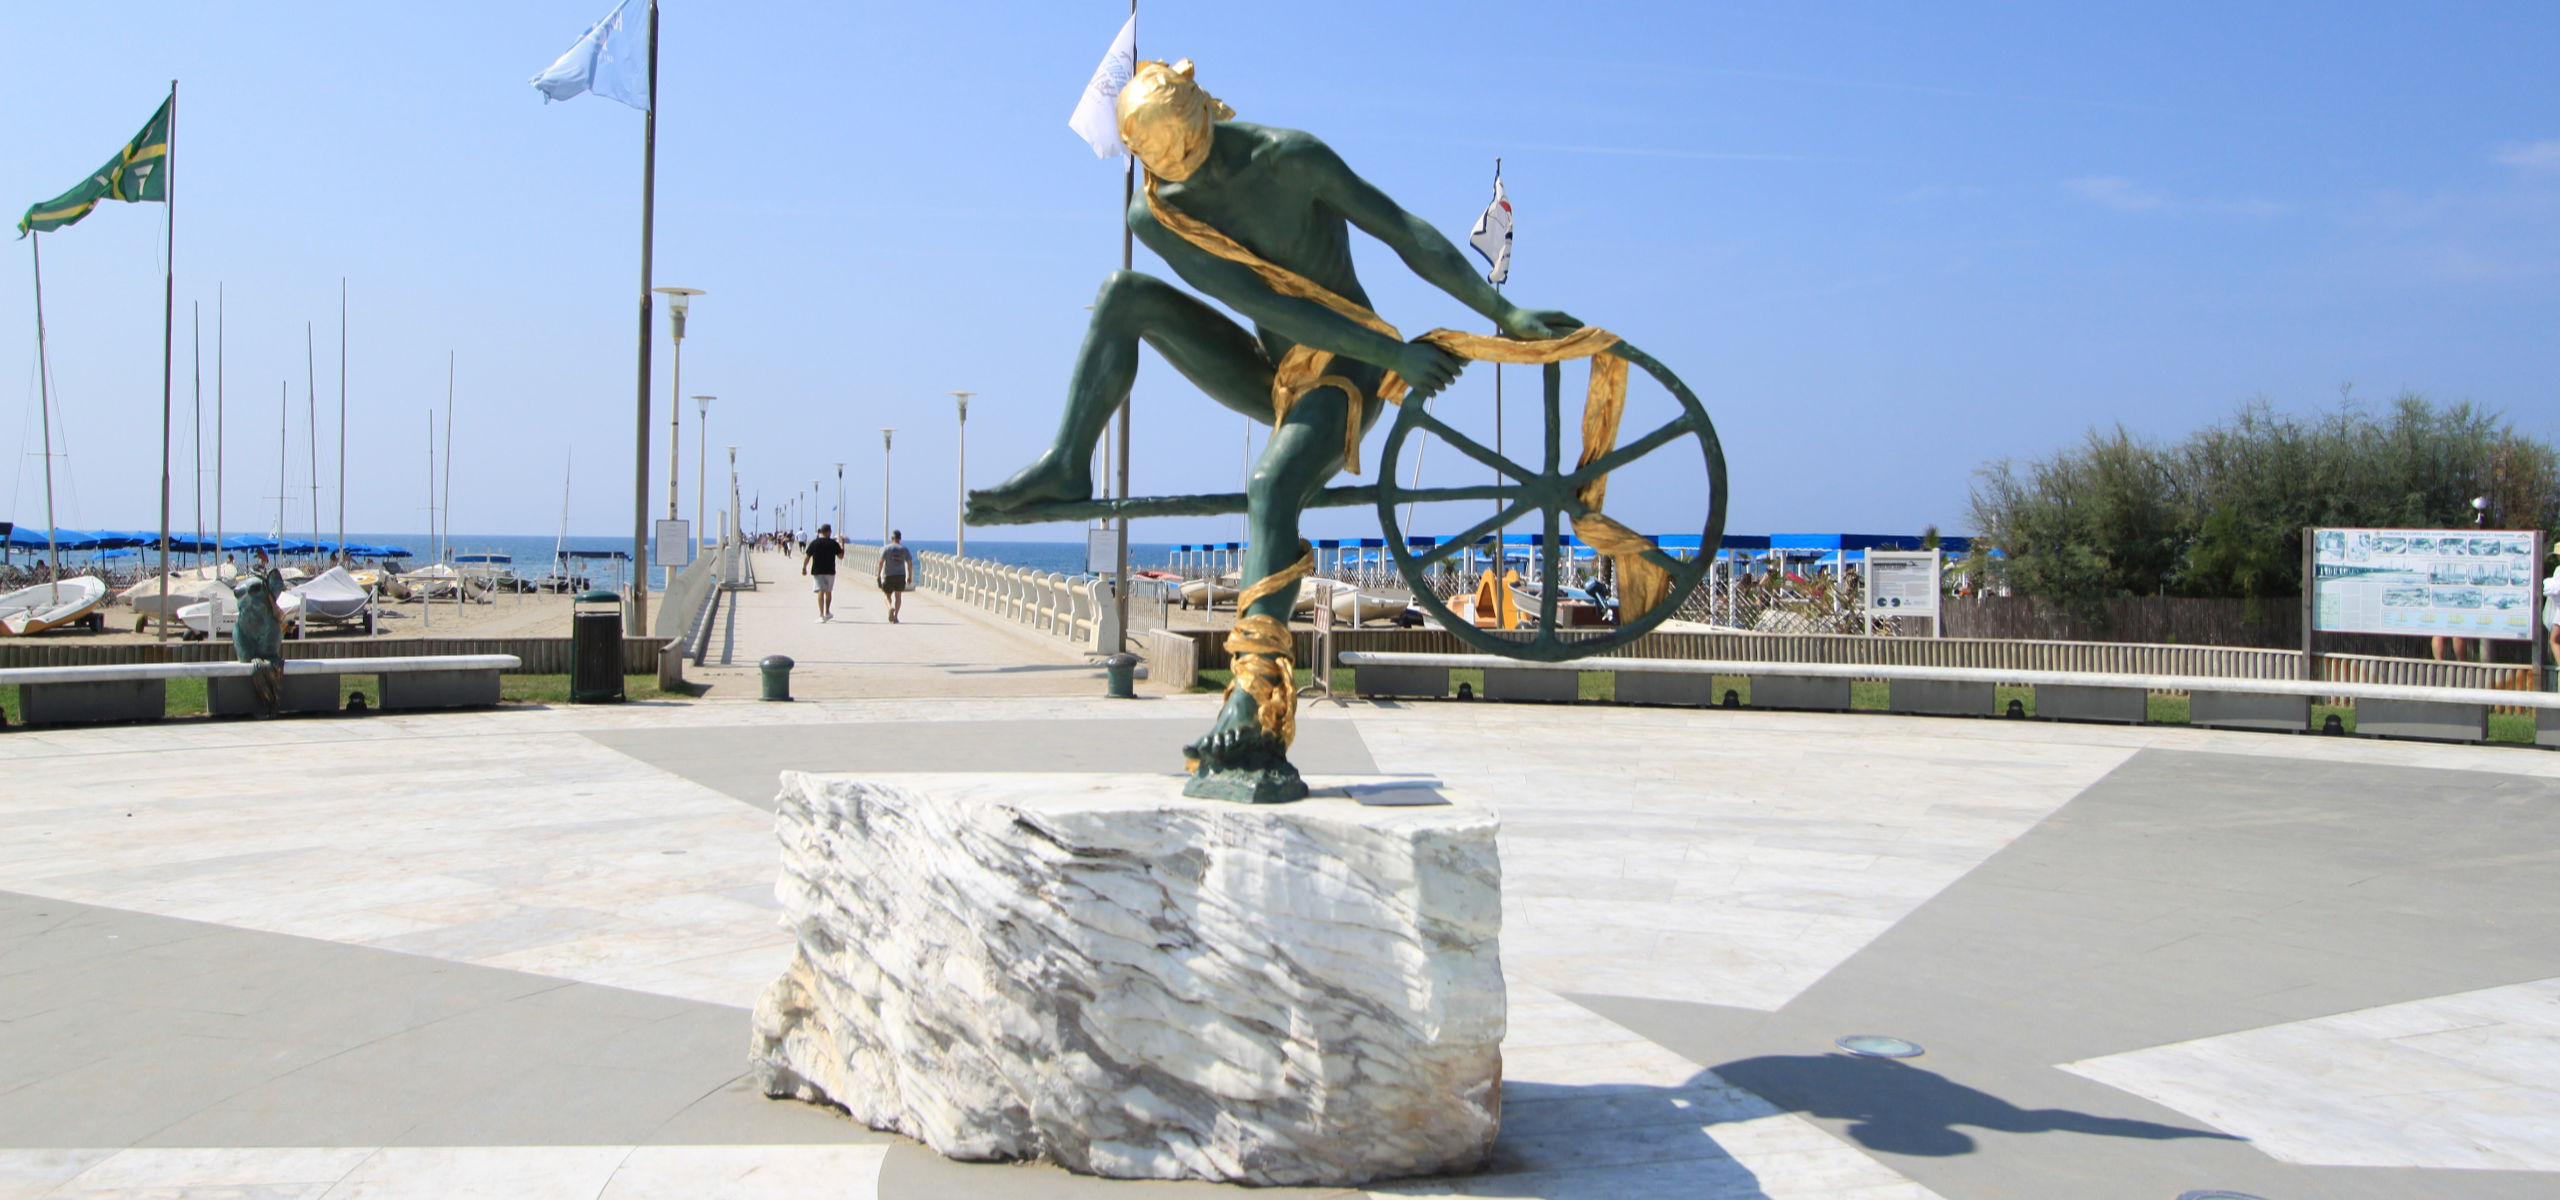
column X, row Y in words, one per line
column 1884, row 243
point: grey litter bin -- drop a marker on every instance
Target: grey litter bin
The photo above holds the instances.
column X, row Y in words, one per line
column 595, row 649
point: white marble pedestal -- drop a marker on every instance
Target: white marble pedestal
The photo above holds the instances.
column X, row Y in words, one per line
column 1094, row 970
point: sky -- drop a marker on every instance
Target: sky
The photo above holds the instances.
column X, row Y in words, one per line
column 1882, row 244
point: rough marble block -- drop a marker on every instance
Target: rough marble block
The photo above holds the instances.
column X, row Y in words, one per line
column 1095, row 970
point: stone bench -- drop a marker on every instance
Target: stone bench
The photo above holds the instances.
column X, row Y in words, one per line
column 108, row 692
column 406, row 681
column 2383, row 710
column 140, row 691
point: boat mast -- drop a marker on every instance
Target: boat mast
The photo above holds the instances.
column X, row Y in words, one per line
column 195, row 425
column 342, row 417
column 218, row 343
column 284, row 417
column 559, row 547
column 44, row 401
column 448, row 480
column 426, row 603
column 311, row 426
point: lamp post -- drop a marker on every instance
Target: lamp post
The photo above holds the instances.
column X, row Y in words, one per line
column 735, row 536
column 701, row 453
column 677, row 299
column 960, row 518
column 884, row 485
column 839, row 497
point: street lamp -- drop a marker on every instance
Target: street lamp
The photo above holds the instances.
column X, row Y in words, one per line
column 884, row 485
column 840, row 498
column 677, row 299
column 701, row 475
column 960, row 522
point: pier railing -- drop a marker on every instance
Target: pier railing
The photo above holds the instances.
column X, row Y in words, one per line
column 1062, row 606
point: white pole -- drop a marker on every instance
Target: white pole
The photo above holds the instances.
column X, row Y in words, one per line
column 960, row 513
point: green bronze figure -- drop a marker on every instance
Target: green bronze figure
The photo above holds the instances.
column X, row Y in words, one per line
column 1258, row 218
column 257, row 638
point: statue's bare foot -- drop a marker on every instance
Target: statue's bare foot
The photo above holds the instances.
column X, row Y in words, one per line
column 1050, row 479
column 1238, row 760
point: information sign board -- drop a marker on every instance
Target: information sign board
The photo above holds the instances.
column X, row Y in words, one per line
column 675, row 544
column 2458, row 582
column 1902, row 583
column 1102, row 550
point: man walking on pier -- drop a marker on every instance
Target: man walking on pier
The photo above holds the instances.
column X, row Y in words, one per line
column 818, row 562
column 897, row 565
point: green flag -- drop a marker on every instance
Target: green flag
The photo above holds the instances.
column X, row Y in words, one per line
column 137, row 172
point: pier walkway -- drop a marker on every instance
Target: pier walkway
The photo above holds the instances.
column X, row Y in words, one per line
column 937, row 648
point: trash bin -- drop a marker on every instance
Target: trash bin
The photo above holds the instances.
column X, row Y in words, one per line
column 777, row 676
column 595, row 649
column 1122, row 671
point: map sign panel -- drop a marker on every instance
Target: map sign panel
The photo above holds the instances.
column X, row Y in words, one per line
column 2468, row 583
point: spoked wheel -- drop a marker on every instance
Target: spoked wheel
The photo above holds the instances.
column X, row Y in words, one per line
column 1553, row 494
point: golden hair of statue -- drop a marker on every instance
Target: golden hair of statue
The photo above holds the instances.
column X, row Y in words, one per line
column 1165, row 118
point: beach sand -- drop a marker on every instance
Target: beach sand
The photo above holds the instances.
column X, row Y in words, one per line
column 538, row 615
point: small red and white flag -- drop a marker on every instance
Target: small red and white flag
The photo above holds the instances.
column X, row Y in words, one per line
column 1492, row 235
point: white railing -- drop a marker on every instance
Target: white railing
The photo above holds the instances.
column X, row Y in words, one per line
column 1061, row 606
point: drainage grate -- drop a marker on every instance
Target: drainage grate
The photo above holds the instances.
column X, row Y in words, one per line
column 1877, row 1045
column 2217, row 1194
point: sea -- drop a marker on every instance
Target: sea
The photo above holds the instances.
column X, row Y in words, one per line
column 532, row 552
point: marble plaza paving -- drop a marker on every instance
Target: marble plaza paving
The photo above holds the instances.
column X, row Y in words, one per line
column 510, row 953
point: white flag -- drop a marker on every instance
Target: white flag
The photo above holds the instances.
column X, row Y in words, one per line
column 1096, row 119
column 1492, row 235
column 612, row 61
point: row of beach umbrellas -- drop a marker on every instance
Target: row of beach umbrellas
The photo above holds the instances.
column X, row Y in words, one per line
column 22, row 538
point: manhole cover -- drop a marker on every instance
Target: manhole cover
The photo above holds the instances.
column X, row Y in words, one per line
column 1877, row 1045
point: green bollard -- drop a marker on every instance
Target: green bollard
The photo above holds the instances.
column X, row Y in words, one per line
column 777, row 677
column 1122, row 672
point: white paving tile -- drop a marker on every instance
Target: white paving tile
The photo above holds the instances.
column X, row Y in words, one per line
column 748, row 1173
column 482, row 1173
column 2470, row 1080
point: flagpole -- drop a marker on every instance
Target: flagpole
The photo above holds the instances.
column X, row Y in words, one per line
column 640, row 453
column 1120, row 570
column 44, row 378
column 168, row 321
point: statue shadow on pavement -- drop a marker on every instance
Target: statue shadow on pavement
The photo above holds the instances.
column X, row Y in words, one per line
column 1898, row 1108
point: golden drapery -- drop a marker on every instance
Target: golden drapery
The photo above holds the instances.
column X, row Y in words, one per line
column 1642, row 583
column 1262, row 655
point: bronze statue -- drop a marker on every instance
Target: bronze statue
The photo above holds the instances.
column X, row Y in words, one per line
column 257, row 638
column 1260, row 219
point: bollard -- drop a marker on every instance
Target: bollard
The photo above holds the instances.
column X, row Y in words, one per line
column 1122, row 671
column 777, row 677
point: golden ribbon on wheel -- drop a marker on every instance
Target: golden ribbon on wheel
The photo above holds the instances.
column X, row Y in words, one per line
column 1262, row 655
column 1642, row 582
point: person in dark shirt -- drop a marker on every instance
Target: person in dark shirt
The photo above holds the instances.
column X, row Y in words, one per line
column 897, row 565
column 818, row 562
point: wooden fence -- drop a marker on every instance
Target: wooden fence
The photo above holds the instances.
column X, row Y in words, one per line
column 541, row 655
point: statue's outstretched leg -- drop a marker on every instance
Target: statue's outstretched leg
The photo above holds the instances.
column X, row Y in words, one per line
column 1209, row 348
column 1245, row 754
